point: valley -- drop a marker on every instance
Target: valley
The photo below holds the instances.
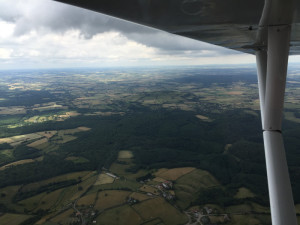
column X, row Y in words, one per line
column 149, row 146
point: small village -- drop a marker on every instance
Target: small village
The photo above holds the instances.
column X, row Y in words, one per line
column 165, row 189
column 206, row 216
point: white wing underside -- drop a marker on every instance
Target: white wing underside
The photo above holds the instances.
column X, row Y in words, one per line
column 229, row 23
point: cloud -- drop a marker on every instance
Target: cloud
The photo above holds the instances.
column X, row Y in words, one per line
column 49, row 16
column 174, row 44
column 53, row 16
column 47, row 33
column 5, row 53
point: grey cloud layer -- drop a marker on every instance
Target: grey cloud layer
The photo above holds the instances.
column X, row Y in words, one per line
column 50, row 16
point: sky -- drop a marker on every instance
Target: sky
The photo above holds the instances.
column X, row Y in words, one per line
column 48, row 34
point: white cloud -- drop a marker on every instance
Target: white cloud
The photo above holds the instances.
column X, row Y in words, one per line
column 57, row 49
column 37, row 33
column 35, row 49
column 6, row 29
column 5, row 53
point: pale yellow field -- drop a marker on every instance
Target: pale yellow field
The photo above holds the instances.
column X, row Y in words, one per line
column 67, row 115
column 107, row 199
column 185, row 107
column 77, row 159
column 16, row 163
column 12, row 110
column 235, row 93
column 139, row 196
column 228, row 146
column 162, row 170
column 20, row 162
column 174, row 174
column 83, row 129
column 104, row 179
column 48, row 134
column 244, row 193
column 104, row 113
column 204, row 118
column 12, row 126
column 38, row 142
column 65, row 139
column 172, row 192
column 35, row 119
column 125, row 155
column 159, row 179
column 20, row 138
column 150, row 101
column 15, row 140
column 49, row 106
column 73, row 131
column 48, row 147
column 14, row 144
column 251, row 112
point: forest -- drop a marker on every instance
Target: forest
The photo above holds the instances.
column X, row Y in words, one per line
column 207, row 119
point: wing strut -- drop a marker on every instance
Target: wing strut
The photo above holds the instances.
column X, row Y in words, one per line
column 272, row 61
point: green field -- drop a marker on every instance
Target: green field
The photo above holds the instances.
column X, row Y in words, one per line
column 249, row 219
column 103, row 178
column 108, row 199
column 159, row 208
column 123, row 215
column 68, row 176
column 61, row 132
column 77, row 159
column 13, row 219
column 156, row 221
column 64, row 218
column 7, row 195
column 188, row 185
column 121, row 169
column 125, row 154
column 89, row 199
column 119, row 185
column 244, row 193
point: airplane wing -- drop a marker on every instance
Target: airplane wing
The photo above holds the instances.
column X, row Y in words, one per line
column 229, row 23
